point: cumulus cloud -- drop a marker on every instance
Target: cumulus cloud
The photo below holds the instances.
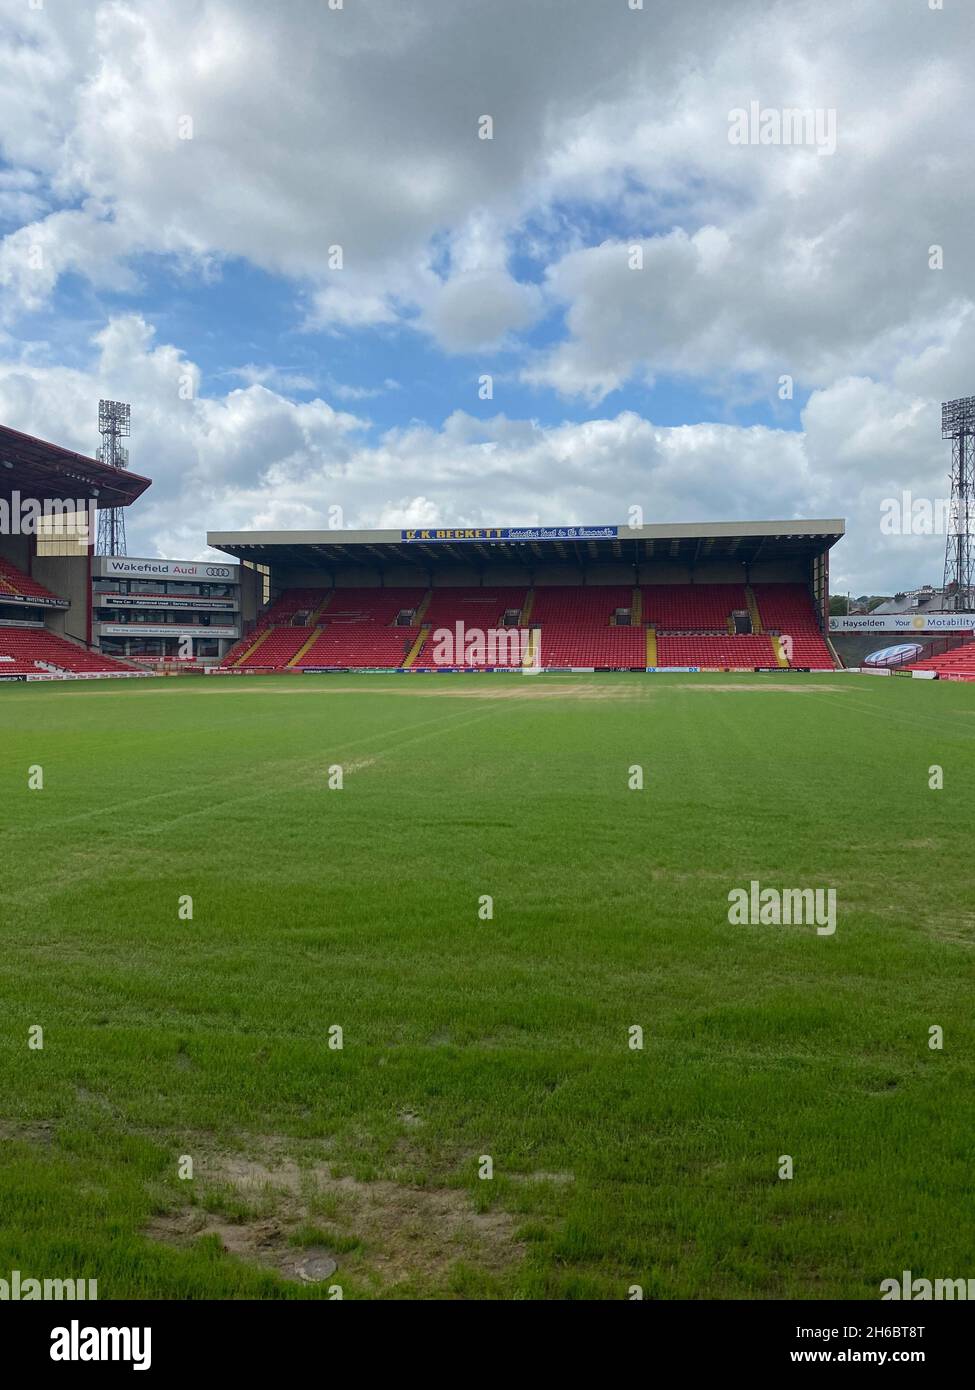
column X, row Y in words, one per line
column 479, row 309
column 209, row 130
column 254, row 458
column 180, row 130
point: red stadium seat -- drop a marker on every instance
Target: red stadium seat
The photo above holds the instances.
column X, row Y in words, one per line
column 30, row 651
column 356, row 628
column 959, row 662
column 14, row 583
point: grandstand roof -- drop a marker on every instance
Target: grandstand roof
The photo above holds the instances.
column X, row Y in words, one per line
column 584, row 545
column 46, row 471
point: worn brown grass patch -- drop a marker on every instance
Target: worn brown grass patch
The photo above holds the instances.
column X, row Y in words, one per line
column 384, row 1232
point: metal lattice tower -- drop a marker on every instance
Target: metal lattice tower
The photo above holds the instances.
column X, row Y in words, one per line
column 114, row 423
column 958, row 425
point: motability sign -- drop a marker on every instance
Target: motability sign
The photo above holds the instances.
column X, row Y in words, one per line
column 904, row 622
column 451, row 535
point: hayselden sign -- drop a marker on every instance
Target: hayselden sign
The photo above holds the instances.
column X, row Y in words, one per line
column 111, row 567
column 905, row 622
column 450, row 536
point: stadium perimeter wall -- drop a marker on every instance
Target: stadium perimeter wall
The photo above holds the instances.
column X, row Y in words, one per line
column 68, row 576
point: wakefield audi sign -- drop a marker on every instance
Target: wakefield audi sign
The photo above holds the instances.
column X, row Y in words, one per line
column 203, row 571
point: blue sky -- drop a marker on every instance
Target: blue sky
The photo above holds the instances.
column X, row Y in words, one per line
column 169, row 192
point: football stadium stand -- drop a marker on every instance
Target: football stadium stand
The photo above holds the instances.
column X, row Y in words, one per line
column 718, row 596
column 957, row 664
column 47, row 495
column 34, row 650
column 14, row 583
column 668, row 599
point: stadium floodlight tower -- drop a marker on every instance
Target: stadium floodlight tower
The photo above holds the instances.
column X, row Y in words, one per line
column 114, row 423
column 958, row 425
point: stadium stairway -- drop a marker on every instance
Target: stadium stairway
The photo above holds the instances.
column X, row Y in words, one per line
column 250, row 649
column 278, row 647
column 313, row 620
column 753, row 612
column 651, row 646
column 359, row 646
column 312, row 637
column 417, row 646
column 421, row 611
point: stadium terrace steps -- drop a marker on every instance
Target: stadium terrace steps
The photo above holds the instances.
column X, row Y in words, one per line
column 421, row 612
column 417, row 647
column 27, row 651
column 567, row 644
column 778, row 652
column 717, row 652
column 312, row 636
column 959, row 663
column 477, row 608
column 753, row 612
column 15, row 583
column 680, row 625
column 692, row 607
column 362, row 646
column 291, row 602
column 277, row 646
column 713, row 652
column 249, row 647
column 590, row 607
column 313, row 620
column 380, row 606
column 787, row 609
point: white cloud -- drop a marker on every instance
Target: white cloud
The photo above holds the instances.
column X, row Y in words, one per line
column 313, row 128
column 366, row 137
column 480, row 309
column 253, row 459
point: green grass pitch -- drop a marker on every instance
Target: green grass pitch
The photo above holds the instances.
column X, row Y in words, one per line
column 464, row 1038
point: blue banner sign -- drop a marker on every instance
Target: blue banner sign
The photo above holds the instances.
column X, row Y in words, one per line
column 451, row 535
